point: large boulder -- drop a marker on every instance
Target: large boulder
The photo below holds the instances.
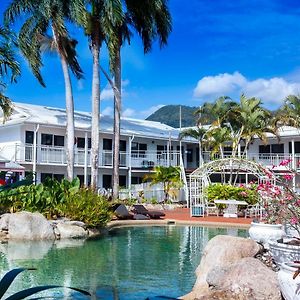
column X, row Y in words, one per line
column 29, row 226
column 247, row 278
column 220, row 251
column 70, row 231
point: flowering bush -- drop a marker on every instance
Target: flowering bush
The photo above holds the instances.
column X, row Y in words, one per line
column 281, row 203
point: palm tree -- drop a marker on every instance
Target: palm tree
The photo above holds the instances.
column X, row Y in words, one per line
column 217, row 111
column 97, row 18
column 44, row 16
column 169, row 176
column 197, row 133
column 8, row 67
column 151, row 19
column 217, row 137
column 250, row 119
column 289, row 113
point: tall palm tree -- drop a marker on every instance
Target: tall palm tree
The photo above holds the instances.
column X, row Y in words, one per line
column 44, row 16
column 98, row 19
column 217, row 111
column 289, row 113
column 151, row 19
column 197, row 133
column 250, row 119
column 9, row 67
column 217, row 137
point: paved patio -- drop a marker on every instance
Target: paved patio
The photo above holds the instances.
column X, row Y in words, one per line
column 183, row 214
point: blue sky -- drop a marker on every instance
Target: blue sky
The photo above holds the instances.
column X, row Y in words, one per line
column 216, row 48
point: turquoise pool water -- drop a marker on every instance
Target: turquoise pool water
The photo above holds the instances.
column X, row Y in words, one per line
column 128, row 263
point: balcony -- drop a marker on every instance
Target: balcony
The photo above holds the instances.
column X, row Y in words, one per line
column 137, row 159
column 57, row 156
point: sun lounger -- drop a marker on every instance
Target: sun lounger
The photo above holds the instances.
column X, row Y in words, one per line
column 153, row 214
column 122, row 213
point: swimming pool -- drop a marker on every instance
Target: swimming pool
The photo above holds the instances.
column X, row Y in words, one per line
column 127, row 263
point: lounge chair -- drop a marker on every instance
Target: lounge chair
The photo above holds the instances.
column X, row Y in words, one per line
column 122, row 213
column 153, row 214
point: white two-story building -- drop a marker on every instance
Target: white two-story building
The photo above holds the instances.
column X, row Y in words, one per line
column 35, row 137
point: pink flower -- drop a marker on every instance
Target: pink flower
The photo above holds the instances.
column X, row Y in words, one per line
column 244, row 194
column 294, row 220
column 288, row 177
column 285, row 162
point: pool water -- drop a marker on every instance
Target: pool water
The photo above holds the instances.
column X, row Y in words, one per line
column 128, row 263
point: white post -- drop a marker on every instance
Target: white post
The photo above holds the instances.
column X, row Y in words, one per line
column 34, row 156
column 86, row 159
column 129, row 163
column 180, row 125
column 294, row 164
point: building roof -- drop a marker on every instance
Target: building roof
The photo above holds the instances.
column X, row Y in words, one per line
column 38, row 114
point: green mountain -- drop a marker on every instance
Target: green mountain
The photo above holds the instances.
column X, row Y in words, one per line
column 169, row 115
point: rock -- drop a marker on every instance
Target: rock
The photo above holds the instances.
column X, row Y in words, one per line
column 25, row 250
column 247, row 278
column 77, row 223
column 67, row 231
column 29, row 226
column 4, row 222
column 221, row 250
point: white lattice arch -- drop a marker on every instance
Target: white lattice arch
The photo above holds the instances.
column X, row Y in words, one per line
column 200, row 178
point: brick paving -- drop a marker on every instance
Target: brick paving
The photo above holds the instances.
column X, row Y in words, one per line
column 183, row 214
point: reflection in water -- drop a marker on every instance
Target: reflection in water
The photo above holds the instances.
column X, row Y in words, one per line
column 129, row 263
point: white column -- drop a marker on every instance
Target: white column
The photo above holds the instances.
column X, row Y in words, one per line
column 129, row 163
column 294, row 163
column 34, row 152
column 86, row 159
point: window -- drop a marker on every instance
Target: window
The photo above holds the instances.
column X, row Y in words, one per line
column 297, row 147
column 59, row 177
column 29, row 137
column 189, row 155
column 107, row 144
column 136, row 180
column 277, row 148
column 81, row 142
column 138, row 149
column 47, row 139
column 122, row 181
column 107, row 181
column 59, row 140
column 123, row 146
column 44, row 176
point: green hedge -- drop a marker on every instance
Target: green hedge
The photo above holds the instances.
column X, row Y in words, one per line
column 58, row 199
column 247, row 193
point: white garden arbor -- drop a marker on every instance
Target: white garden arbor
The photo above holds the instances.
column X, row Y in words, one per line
column 233, row 168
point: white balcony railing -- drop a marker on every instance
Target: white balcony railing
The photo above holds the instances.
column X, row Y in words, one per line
column 57, row 156
column 137, row 159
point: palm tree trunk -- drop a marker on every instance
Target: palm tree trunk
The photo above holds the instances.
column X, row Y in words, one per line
column 70, row 120
column 69, row 110
column 95, row 112
column 117, row 116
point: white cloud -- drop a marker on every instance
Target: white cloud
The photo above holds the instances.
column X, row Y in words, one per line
column 273, row 90
column 108, row 111
column 108, row 93
column 140, row 114
column 132, row 113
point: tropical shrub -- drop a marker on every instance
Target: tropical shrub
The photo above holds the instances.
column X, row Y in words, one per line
column 170, row 177
column 43, row 197
column 247, row 193
column 58, row 199
column 86, row 206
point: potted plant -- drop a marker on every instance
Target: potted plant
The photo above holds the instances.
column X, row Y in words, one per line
column 289, row 280
column 270, row 227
